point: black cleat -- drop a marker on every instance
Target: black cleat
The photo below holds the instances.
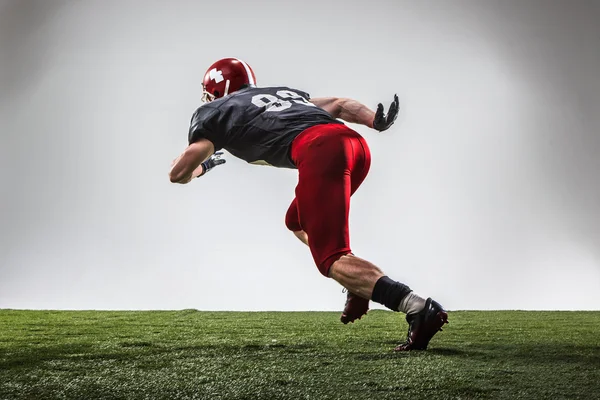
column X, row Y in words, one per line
column 423, row 325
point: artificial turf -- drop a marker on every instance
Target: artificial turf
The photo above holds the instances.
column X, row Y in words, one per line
column 295, row 355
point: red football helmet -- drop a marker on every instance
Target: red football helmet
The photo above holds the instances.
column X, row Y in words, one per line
column 226, row 76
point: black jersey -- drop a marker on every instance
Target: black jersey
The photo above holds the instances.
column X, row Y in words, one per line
column 258, row 125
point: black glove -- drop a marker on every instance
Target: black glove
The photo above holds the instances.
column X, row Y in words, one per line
column 383, row 122
column 212, row 162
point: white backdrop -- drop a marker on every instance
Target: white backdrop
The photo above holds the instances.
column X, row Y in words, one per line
column 485, row 194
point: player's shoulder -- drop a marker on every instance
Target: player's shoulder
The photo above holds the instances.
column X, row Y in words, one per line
column 282, row 91
column 205, row 108
column 204, row 111
column 290, row 88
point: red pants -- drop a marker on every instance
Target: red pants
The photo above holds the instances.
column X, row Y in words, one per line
column 333, row 161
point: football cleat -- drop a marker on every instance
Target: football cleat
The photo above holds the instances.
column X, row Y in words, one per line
column 354, row 309
column 226, row 76
column 423, row 325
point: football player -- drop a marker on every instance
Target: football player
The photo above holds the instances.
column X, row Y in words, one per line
column 284, row 127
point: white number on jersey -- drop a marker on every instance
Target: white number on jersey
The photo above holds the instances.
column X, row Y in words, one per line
column 282, row 101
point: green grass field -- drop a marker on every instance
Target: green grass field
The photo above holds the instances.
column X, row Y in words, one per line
column 300, row 355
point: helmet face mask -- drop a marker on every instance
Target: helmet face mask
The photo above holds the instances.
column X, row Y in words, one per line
column 226, row 76
column 206, row 96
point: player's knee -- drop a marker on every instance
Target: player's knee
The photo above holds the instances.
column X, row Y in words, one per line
column 293, row 226
column 292, row 221
column 325, row 266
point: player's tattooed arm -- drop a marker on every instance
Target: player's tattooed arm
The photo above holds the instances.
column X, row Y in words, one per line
column 194, row 161
column 355, row 112
column 346, row 109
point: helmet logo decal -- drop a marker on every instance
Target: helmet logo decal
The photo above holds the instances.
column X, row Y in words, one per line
column 216, row 75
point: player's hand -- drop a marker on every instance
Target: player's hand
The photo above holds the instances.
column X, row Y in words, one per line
column 383, row 121
column 212, row 162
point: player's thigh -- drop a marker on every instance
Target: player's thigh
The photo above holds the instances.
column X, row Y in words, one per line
column 323, row 210
column 361, row 163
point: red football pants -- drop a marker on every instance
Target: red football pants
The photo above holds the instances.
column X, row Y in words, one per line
column 332, row 161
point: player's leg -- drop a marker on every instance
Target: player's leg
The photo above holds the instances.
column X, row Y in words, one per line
column 357, row 176
column 356, row 274
column 292, row 222
column 332, row 164
column 323, row 199
column 322, row 195
column 302, row 236
column 360, row 276
column 425, row 317
column 355, row 307
column 332, row 169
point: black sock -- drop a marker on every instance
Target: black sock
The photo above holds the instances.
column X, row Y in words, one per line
column 389, row 292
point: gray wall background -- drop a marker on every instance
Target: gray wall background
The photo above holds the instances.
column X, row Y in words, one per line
column 484, row 195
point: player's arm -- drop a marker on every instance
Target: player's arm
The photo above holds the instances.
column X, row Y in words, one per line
column 195, row 161
column 355, row 112
column 346, row 109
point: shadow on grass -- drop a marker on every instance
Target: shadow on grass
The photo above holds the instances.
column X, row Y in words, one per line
column 525, row 353
column 133, row 350
column 34, row 356
column 130, row 351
